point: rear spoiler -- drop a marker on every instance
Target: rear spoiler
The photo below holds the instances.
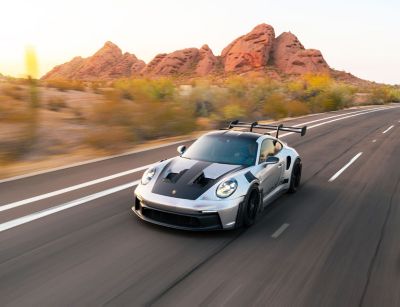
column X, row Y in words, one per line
column 256, row 125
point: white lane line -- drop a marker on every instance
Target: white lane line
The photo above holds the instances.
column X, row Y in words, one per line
column 334, row 116
column 93, row 182
column 231, row 295
column 155, row 147
column 100, row 180
column 388, row 129
column 70, row 189
column 334, row 120
column 94, row 160
column 373, row 141
column 279, row 231
column 345, row 167
column 339, row 115
column 74, row 203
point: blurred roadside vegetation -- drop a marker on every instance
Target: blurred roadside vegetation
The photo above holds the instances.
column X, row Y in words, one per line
column 131, row 111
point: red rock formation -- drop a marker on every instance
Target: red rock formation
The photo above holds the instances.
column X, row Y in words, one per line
column 250, row 51
column 290, row 56
column 66, row 70
column 285, row 46
column 153, row 63
column 307, row 61
column 190, row 61
column 107, row 63
column 208, row 62
column 256, row 51
column 177, row 62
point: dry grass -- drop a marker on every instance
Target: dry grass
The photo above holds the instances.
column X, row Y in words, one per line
column 56, row 103
column 65, row 85
column 60, row 119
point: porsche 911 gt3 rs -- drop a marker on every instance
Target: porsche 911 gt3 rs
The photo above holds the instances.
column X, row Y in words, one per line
column 222, row 181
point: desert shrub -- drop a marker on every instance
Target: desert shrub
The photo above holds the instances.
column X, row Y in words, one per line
column 78, row 114
column 56, row 104
column 203, row 97
column 154, row 119
column 233, row 111
column 275, row 106
column 204, row 123
column 394, row 95
column 382, row 94
column 297, row 108
column 15, row 111
column 65, row 85
column 147, row 114
column 237, row 86
column 13, row 90
column 112, row 112
column 19, row 122
column 145, row 89
column 108, row 138
column 97, row 87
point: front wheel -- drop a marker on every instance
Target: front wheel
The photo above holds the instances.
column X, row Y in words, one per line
column 295, row 177
column 251, row 207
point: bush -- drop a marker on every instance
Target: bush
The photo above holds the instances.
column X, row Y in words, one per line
column 65, row 85
column 13, row 90
column 19, row 123
column 275, row 106
column 384, row 94
column 233, row 111
column 56, row 104
column 108, row 138
column 296, row 108
column 143, row 89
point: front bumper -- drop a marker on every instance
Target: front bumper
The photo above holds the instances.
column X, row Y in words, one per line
column 187, row 214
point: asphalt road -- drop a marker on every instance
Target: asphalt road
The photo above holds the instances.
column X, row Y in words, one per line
column 334, row 243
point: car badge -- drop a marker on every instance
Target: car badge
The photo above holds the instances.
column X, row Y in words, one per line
column 173, row 192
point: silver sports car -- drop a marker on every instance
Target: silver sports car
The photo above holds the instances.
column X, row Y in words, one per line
column 222, row 181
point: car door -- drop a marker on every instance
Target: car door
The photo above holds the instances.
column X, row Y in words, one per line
column 270, row 175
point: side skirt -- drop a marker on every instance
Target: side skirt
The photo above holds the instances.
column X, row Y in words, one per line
column 274, row 194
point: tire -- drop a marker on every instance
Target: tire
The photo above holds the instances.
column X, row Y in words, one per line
column 295, row 177
column 251, row 207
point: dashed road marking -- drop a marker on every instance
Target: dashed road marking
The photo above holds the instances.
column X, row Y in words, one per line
column 279, row 231
column 345, row 167
column 37, row 215
column 71, row 188
column 388, row 129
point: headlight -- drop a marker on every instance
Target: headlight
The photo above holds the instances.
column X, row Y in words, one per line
column 227, row 188
column 148, row 175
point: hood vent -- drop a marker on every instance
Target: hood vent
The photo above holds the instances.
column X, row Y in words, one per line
column 201, row 180
column 174, row 177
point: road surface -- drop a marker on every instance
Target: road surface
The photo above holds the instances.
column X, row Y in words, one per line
column 68, row 238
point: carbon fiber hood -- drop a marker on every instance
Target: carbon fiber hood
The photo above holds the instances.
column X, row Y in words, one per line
column 188, row 179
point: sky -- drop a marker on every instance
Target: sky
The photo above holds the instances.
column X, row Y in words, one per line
column 361, row 37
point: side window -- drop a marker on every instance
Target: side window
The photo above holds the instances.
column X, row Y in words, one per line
column 278, row 147
column 267, row 149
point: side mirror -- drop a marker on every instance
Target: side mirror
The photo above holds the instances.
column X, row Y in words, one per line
column 271, row 160
column 181, row 149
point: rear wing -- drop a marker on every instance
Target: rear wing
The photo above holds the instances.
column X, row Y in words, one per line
column 256, row 125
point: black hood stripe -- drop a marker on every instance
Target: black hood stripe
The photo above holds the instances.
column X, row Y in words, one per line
column 190, row 183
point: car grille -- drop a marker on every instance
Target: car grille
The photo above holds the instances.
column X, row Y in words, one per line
column 207, row 221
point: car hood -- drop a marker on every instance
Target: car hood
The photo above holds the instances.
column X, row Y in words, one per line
column 189, row 179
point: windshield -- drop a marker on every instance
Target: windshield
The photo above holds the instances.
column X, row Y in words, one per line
column 223, row 149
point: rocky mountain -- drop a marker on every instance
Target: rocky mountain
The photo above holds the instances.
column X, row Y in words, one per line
column 190, row 61
column 259, row 50
column 250, row 51
column 290, row 56
column 107, row 63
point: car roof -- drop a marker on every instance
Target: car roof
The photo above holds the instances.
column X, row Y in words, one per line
column 240, row 134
